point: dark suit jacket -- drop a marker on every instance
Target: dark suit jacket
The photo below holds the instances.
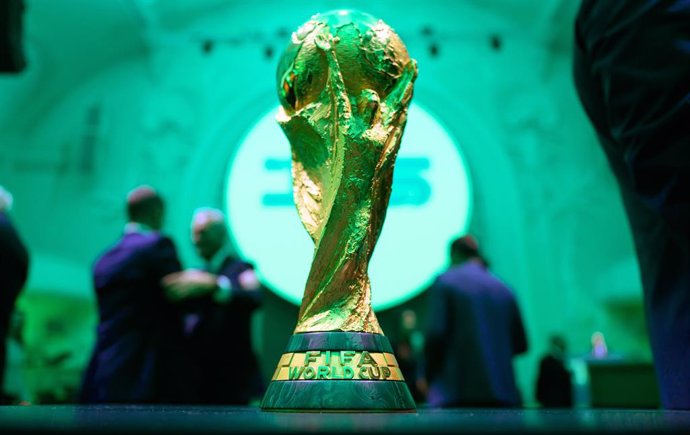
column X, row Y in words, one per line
column 227, row 371
column 474, row 330
column 138, row 356
column 631, row 69
column 14, row 269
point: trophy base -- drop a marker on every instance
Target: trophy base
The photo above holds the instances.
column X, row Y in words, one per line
column 338, row 371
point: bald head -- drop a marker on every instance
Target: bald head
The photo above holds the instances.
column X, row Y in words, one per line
column 208, row 231
column 145, row 206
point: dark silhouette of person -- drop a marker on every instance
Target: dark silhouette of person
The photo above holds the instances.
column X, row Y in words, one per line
column 139, row 355
column 14, row 270
column 408, row 347
column 220, row 300
column 474, row 330
column 631, row 71
column 554, row 380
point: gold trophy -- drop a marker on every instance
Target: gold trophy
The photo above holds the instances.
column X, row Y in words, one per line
column 345, row 82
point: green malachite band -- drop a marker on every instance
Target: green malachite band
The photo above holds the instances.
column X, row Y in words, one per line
column 357, row 341
column 338, row 395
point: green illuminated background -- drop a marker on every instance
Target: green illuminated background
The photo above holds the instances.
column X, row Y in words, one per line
column 164, row 92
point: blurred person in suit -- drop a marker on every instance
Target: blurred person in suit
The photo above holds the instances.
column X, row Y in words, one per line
column 631, row 71
column 139, row 356
column 14, row 270
column 554, row 379
column 474, row 329
column 221, row 299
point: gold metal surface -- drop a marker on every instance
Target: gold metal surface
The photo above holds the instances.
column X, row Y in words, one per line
column 344, row 83
column 331, row 366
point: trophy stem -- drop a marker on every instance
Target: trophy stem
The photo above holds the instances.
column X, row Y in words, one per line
column 338, row 371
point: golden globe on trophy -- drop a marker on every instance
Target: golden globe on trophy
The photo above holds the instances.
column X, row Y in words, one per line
column 345, row 83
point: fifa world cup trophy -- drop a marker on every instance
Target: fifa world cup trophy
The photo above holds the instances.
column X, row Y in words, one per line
column 345, row 83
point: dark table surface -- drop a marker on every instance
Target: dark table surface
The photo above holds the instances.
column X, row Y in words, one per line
column 216, row 419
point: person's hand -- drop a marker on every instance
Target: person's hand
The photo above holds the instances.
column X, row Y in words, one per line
column 189, row 283
column 248, row 280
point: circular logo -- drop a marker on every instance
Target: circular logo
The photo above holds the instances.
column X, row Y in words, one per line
column 430, row 204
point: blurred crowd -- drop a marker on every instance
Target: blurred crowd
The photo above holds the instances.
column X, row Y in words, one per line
column 166, row 334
